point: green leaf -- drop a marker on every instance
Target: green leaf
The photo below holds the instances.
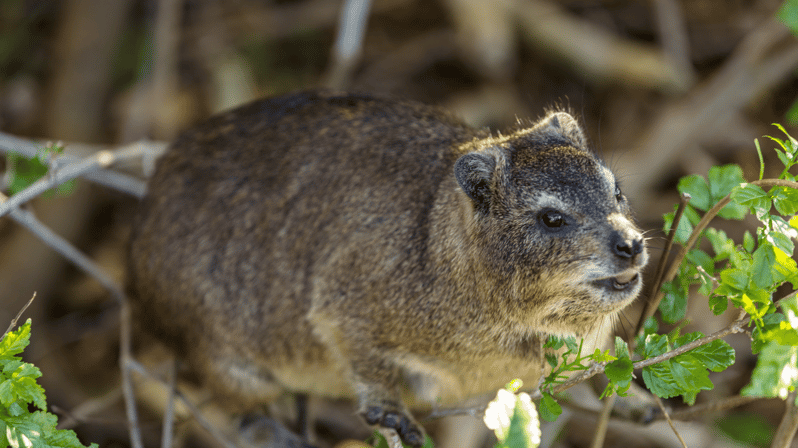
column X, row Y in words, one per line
column 776, row 372
column 722, row 245
column 753, row 197
column 690, row 374
column 718, row 304
column 788, row 13
column 697, row 188
column 734, row 278
column 619, row 370
column 722, row 179
column 659, row 380
column 785, row 200
column 524, row 430
column 716, row 356
column 549, row 408
column 15, row 341
column 621, row 348
column 748, row 242
column 771, row 266
column 674, row 304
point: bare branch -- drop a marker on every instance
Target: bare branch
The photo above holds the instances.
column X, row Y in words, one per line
column 132, row 364
column 126, row 362
column 670, row 422
column 15, row 319
column 788, row 425
column 75, row 151
column 600, row 432
column 652, row 305
column 169, row 414
column 704, row 222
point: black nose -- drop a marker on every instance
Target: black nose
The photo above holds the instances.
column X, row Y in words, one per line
column 626, row 247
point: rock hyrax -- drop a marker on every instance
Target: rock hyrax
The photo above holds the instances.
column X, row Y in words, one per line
column 350, row 245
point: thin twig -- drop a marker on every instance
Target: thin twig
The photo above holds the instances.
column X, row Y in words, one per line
column 714, row 406
column 125, row 363
column 218, row 435
column 684, row 199
column 699, row 228
column 348, row 43
column 670, row 422
column 169, row 413
column 788, row 425
column 111, row 179
column 102, row 159
column 28, row 220
column 15, row 319
column 600, row 432
column 674, row 37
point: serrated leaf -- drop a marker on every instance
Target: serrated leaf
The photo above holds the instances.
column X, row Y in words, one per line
column 621, row 348
column 700, row 258
column 716, row 356
column 785, row 200
column 659, row 380
column 722, row 179
column 781, row 241
column 674, row 303
column 753, row 197
column 15, row 341
column 619, row 370
column 690, row 374
column 697, row 188
column 684, row 229
column 776, row 372
column 549, row 408
column 722, row 245
column 718, row 304
column 734, row 278
column 794, row 222
column 748, row 242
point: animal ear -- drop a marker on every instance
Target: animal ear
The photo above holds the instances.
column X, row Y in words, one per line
column 563, row 124
column 474, row 172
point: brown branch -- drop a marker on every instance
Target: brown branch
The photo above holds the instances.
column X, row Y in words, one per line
column 15, row 319
column 721, row 405
column 650, row 308
column 214, row 431
column 699, row 228
column 670, row 422
column 788, row 425
column 600, row 431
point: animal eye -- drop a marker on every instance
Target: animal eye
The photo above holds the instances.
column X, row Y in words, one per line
column 552, row 219
column 618, row 194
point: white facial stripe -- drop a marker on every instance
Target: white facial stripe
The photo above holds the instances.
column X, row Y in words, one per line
column 546, row 200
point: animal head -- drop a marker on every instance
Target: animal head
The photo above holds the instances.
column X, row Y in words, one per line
column 548, row 218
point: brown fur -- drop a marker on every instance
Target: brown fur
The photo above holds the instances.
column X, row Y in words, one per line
column 350, row 245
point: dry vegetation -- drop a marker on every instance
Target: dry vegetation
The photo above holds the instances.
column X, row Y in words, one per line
column 664, row 88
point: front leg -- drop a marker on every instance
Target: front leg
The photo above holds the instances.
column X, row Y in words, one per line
column 377, row 384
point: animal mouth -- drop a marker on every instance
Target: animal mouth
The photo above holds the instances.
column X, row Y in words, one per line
column 621, row 282
column 624, row 280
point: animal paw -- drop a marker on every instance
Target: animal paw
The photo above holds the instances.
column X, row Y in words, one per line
column 390, row 417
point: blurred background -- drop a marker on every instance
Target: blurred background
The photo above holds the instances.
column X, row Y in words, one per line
column 664, row 88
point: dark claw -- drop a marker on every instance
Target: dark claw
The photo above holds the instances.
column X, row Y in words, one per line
column 412, row 437
column 408, row 432
column 392, row 420
column 373, row 415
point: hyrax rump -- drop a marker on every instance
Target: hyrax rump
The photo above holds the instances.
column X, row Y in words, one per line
column 352, row 245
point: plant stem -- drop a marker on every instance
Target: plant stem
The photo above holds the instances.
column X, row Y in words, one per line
column 788, row 425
